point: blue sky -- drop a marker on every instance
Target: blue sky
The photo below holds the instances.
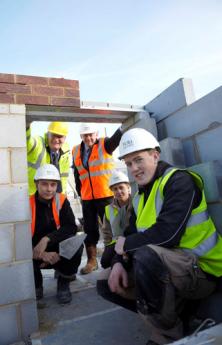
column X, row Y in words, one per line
column 123, row 51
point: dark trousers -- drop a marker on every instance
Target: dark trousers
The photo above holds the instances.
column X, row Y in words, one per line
column 92, row 211
column 65, row 268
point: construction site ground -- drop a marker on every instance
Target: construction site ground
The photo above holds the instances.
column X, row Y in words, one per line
column 88, row 319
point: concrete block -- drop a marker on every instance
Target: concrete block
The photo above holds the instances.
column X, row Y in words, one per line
column 198, row 116
column 18, row 276
column 6, row 243
column 18, row 109
column 148, row 124
column 29, row 318
column 23, row 241
column 9, row 332
column 175, row 97
column 4, row 108
column 172, row 152
column 14, row 203
column 190, row 153
column 211, row 173
column 5, row 166
column 12, row 131
column 209, row 144
column 19, row 165
column 215, row 211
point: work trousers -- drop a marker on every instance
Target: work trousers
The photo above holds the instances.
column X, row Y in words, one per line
column 163, row 280
column 65, row 268
column 93, row 210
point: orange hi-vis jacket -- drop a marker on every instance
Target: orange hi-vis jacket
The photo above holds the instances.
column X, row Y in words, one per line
column 94, row 181
column 57, row 203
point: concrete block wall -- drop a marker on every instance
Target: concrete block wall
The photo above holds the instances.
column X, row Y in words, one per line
column 18, row 313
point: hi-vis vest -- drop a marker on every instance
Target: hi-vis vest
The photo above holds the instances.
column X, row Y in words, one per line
column 38, row 155
column 200, row 237
column 112, row 214
column 94, row 182
column 57, row 203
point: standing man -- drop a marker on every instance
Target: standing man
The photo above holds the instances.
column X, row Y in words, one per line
column 93, row 165
column 52, row 222
column 49, row 149
column 174, row 252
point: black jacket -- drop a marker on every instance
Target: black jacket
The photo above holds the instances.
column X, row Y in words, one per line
column 45, row 224
column 181, row 196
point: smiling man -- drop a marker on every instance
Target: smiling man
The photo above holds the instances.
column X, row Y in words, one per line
column 51, row 148
column 174, row 252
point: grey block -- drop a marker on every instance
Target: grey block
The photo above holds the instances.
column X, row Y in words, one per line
column 14, row 203
column 29, row 318
column 190, row 154
column 209, row 144
column 23, row 241
column 19, row 277
column 9, row 332
column 6, row 243
column 175, row 97
column 147, row 123
column 211, row 172
column 172, row 151
column 215, row 211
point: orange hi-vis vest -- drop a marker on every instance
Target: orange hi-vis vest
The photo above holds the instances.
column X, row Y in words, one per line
column 57, row 203
column 94, row 181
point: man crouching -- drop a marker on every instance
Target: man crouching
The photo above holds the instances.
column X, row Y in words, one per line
column 52, row 222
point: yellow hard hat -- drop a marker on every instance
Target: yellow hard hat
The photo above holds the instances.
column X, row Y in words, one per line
column 59, row 128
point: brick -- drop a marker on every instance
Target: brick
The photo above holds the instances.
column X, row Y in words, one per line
column 23, row 241
column 211, row 173
column 172, row 151
column 19, row 165
column 18, row 109
column 215, row 211
column 31, row 80
column 64, row 82
column 47, row 91
column 14, row 203
column 7, row 98
column 29, row 318
column 65, row 102
column 71, row 93
column 12, row 131
column 6, row 243
column 15, row 88
column 39, row 100
column 9, row 331
column 4, row 108
column 19, row 275
column 7, row 78
column 5, row 166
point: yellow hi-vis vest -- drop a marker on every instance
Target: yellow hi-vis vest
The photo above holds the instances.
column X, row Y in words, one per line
column 38, row 155
column 112, row 214
column 200, row 236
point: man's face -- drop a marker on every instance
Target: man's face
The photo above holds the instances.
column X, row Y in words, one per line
column 89, row 138
column 121, row 192
column 46, row 188
column 55, row 141
column 142, row 165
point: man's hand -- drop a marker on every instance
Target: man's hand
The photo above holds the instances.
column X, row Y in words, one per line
column 119, row 245
column 40, row 248
column 50, row 258
column 118, row 279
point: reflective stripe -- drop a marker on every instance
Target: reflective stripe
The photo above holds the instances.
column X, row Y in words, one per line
column 58, row 204
column 96, row 173
column 75, row 152
column 64, row 174
column 136, row 200
column 158, row 199
column 40, row 157
column 205, row 246
column 198, row 218
column 99, row 162
column 34, row 145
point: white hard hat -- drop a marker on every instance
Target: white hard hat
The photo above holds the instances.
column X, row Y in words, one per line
column 118, row 177
column 136, row 139
column 86, row 128
column 47, row 172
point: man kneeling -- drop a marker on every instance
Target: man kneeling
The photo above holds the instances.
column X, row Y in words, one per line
column 52, row 222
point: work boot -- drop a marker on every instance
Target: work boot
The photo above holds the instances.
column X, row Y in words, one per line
column 63, row 291
column 39, row 293
column 92, row 264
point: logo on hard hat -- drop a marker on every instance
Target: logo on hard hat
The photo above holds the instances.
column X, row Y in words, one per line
column 127, row 143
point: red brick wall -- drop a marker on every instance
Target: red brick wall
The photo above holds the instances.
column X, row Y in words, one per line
column 23, row 89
